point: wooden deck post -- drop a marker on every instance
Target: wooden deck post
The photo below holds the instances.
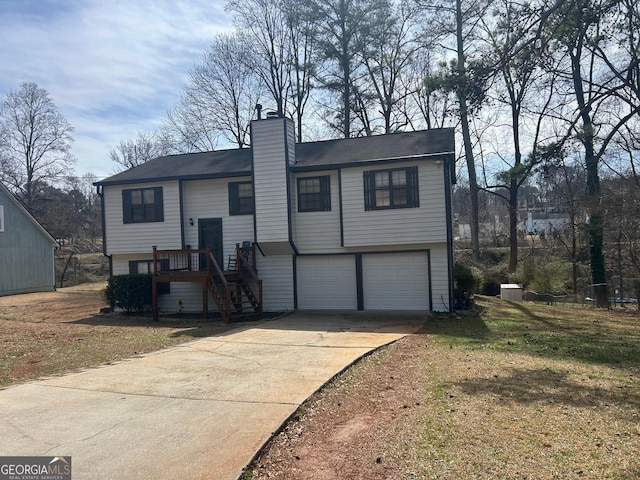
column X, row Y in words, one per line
column 205, row 299
column 154, row 286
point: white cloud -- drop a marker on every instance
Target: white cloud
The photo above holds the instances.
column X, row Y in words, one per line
column 113, row 68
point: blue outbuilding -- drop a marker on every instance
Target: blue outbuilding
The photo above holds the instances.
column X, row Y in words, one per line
column 27, row 250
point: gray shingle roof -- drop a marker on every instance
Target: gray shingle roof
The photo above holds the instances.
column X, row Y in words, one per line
column 320, row 155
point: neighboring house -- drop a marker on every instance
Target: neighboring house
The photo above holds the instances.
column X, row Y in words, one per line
column 27, row 251
column 360, row 223
column 545, row 222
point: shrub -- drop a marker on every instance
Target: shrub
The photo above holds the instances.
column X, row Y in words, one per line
column 464, row 277
column 462, row 300
column 545, row 275
column 132, row 293
column 491, row 286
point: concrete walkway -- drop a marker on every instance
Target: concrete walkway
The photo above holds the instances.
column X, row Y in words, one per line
column 200, row 410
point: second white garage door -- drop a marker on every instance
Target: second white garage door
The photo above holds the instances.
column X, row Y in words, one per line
column 396, row 281
column 327, row 282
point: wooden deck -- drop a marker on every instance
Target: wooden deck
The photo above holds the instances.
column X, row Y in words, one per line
column 229, row 288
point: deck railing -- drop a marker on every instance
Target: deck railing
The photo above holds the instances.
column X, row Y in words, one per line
column 246, row 256
column 168, row 261
column 199, row 265
column 220, row 288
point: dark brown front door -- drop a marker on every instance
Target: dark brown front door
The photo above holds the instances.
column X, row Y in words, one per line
column 210, row 236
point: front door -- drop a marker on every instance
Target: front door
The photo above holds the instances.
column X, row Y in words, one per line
column 210, row 236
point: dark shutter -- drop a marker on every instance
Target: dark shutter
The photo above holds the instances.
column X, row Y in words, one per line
column 325, row 193
column 412, row 183
column 234, row 201
column 159, row 204
column 298, row 182
column 368, row 190
column 133, row 267
column 126, row 206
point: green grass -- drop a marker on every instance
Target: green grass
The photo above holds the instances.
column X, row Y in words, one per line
column 588, row 335
column 545, row 388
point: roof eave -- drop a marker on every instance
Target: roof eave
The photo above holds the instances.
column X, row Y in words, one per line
column 377, row 161
column 199, row 176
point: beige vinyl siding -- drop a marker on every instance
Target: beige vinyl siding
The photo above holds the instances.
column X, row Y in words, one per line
column 276, row 272
column 120, row 263
column 269, row 139
column 210, row 199
column 395, row 226
column 317, row 232
column 439, row 277
column 141, row 237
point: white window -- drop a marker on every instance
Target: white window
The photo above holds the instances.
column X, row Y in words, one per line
column 1, row 218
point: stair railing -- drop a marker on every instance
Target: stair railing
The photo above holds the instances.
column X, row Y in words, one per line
column 219, row 286
column 245, row 266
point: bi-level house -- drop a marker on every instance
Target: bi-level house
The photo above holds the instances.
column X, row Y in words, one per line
column 359, row 223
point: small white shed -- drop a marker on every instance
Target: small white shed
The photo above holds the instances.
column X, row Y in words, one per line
column 511, row 292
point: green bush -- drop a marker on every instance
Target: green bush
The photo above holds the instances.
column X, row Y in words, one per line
column 491, row 286
column 545, row 275
column 132, row 293
column 465, row 280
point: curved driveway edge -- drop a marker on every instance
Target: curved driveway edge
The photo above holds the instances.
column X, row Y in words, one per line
column 200, row 410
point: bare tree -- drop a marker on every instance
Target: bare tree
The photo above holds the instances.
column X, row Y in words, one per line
column 264, row 25
column 430, row 104
column 388, row 57
column 303, row 58
column 129, row 153
column 188, row 128
column 457, row 23
column 35, row 142
column 597, row 56
column 281, row 43
column 218, row 101
column 527, row 91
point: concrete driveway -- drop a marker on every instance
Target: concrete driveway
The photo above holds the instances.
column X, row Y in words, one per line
column 200, row 410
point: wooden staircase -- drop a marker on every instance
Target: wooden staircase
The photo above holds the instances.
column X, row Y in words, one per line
column 237, row 292
column 233, row 290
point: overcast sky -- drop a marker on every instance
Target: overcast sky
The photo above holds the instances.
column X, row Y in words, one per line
column 112, row 67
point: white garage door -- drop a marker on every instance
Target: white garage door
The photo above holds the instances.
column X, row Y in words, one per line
column 396, row 281
column 327, row 282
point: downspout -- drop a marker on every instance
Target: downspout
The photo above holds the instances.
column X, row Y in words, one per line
column 288, row 173
column 181, row 200
column 449, row 179
column 100, row 192
column 54, row 247
column 253, row 188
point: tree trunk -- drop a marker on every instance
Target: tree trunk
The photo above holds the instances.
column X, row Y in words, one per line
column 461, row 92
column 596, row 219
column 513, row 225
